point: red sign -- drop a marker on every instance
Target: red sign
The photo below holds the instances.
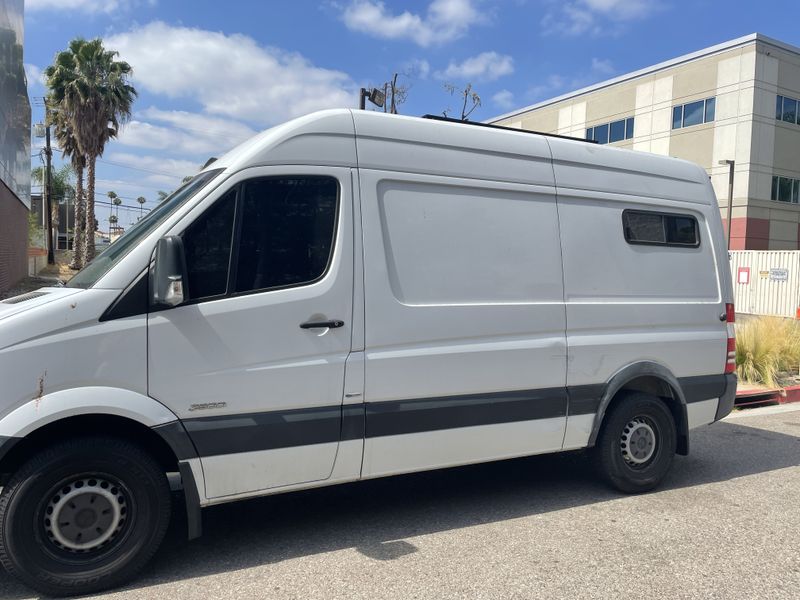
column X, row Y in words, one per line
column 743, row 275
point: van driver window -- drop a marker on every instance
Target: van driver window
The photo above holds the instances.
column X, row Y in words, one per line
column 287, row 231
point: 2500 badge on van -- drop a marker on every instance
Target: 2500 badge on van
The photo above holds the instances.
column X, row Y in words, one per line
column 352, row 295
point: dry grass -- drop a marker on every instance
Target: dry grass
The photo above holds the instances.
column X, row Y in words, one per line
column 766, row 347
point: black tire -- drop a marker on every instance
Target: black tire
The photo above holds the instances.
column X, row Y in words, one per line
column 83, row 480
column 636, row 445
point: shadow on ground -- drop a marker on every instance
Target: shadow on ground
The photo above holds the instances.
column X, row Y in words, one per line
column 375, row 517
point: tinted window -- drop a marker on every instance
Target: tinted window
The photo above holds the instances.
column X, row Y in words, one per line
column 589, row 134
column 660, row 229
column 785, row 189
column 629, row 128
column 677, row 117
column 681, row 230
column 693, row 113
column 601, row 133
column 287, row 231
column 711, row 106
column 617, row 132
column 774, row 195
column 779, row 108
column 207, row 244
column 644, row 227
column 790, row 110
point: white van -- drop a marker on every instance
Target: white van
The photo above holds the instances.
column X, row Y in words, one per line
column 352, row 295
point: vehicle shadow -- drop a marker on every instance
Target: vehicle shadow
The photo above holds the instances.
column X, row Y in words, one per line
column 375, row 517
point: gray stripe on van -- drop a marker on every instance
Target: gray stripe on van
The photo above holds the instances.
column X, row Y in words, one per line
column 229, row 434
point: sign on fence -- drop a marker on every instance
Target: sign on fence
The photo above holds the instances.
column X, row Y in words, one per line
column 779, row 274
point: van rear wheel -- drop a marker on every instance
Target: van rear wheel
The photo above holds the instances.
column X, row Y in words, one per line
column 636, row 445
column 83, row 515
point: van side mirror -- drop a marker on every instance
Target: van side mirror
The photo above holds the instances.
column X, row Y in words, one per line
column 168, row 273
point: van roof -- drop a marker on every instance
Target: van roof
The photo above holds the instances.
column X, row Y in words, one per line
column 374, row 140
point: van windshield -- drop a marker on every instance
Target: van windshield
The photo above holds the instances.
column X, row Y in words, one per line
column 103, row 262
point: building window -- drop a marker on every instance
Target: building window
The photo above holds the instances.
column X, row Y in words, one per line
column 608, row 133
column 660, row 229
column 694, row 113
column 787, row 109
column 785, row 189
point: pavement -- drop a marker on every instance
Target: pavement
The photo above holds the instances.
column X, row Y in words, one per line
column 725, row 524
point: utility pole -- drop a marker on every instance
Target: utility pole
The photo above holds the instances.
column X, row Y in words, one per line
column 48, row 191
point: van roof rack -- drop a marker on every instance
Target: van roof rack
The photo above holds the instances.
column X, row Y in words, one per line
column 492, row 126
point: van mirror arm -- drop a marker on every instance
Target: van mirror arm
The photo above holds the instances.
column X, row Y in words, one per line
column 168, row 273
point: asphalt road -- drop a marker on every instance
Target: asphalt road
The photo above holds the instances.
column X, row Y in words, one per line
column 726, row 524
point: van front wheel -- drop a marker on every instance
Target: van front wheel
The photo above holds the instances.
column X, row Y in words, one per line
column 636, row 445
column 83, row 515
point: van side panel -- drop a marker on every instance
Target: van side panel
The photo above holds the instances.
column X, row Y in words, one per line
column 626, row 302
column 465, row 346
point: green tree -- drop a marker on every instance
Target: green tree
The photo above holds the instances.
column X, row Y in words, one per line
column 90, row 86
column 60, row 185
column 62, row 131
column 115, row 201
column 60, row 181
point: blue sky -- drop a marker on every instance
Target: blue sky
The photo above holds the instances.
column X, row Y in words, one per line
column 211, row 73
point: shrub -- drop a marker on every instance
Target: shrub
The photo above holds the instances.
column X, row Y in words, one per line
column 766, row 346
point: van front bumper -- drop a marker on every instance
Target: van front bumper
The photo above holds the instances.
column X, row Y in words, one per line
column 728, row 397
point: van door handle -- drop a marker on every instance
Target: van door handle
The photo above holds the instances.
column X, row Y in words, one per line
column 322, row 324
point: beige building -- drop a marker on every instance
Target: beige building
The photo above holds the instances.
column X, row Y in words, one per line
column 736, row 101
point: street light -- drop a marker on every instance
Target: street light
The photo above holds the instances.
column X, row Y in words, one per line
column 376, row 96
column 731, row 164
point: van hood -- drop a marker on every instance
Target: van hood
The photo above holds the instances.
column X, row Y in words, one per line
column 17, row 304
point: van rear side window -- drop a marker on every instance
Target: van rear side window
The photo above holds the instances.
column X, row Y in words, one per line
column 661, row 229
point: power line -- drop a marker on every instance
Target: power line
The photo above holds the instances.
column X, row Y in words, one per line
column 124, row 166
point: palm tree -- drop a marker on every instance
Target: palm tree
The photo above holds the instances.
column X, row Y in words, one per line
column 141, row 200
column 62, row 132
column 92, row 88
column 115, row 201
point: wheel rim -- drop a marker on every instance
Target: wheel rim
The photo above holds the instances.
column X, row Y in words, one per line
column 86, row 514
column 639, row 442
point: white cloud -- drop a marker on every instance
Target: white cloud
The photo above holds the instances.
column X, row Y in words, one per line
column 602, row 66
column 548, row 87
column 230, row 75
column 596, row 17
column 183, row 132
column 85, row 6
column 35, row 77
column 417, row 68
column 444, row 21
column 486, row 66
column 172, row 169
column 623, row 9
column 557, row 84
column 503, row 99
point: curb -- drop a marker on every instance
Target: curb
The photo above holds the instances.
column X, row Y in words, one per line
column 785, row 395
